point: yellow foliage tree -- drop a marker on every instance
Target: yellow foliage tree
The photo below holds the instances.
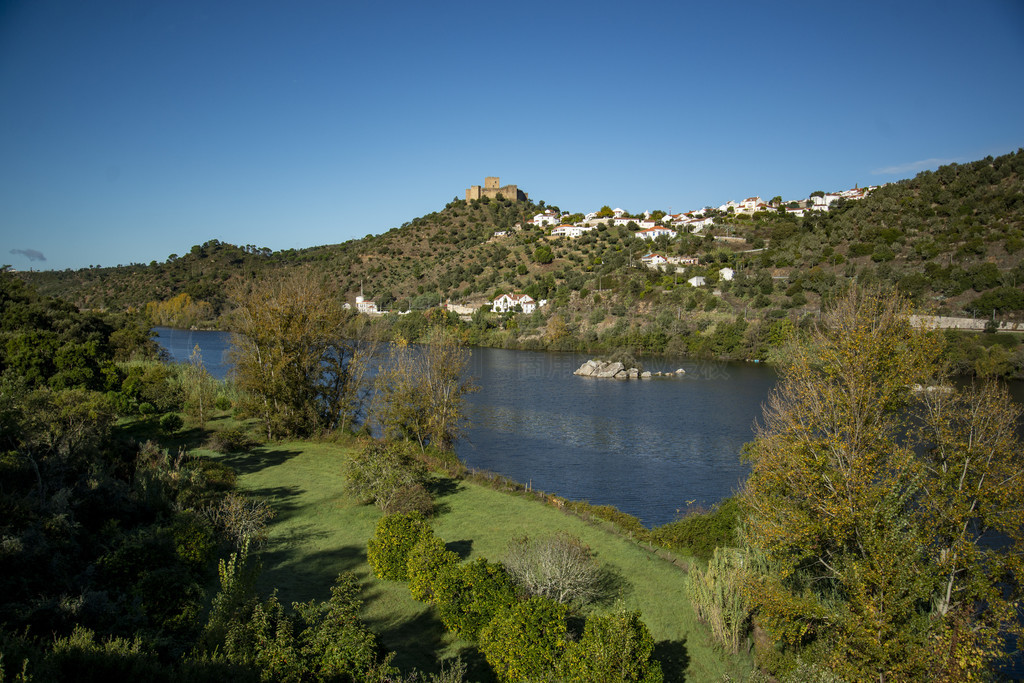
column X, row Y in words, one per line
column 292, row 356
column 877, row 493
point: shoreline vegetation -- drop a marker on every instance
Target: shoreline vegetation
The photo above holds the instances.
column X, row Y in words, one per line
column 949, row 241
column 130, row 480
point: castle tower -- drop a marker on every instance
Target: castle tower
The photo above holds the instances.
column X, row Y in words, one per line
column 491, row 183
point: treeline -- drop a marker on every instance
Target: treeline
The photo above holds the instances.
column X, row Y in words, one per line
column 108, row 540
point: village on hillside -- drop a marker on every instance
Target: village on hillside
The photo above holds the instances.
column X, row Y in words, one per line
column 648, row 225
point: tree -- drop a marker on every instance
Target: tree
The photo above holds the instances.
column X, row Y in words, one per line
column 199, row 388
column 421, row 392
column 292, row 355
column 886, row 502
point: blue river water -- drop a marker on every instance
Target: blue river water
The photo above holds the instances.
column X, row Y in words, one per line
column 651, row 448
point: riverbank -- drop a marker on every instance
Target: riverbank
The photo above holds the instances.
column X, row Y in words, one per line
column 319, row 530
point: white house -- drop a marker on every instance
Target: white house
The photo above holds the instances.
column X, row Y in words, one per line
column 726, row 273
column 572, row 231
column 366, row 306
column 549, row 217
column 696, row 281
column 508, row 302
column 653, row 260
column 696, row 224
column 654, row 233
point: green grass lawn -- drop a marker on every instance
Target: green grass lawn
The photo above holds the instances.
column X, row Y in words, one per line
column 320, row 531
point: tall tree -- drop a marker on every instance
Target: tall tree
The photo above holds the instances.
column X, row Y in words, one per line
column 292, row 356
column 420, row 393
column 887, row 502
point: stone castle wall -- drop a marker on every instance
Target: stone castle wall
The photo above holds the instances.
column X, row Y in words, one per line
column 492, row 188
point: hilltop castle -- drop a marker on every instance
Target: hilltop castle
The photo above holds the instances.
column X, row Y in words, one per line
column 492, row 189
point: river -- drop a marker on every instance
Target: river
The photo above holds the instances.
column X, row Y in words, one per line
column 651, row 448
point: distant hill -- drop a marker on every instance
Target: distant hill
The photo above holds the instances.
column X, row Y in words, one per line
column 952, row 239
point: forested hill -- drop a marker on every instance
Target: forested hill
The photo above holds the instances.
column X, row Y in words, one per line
column 951, row 238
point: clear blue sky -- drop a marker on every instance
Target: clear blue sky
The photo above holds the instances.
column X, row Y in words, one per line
column 131, row 130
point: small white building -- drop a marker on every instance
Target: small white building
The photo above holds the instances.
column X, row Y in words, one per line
column 654, row 233
column 572, row 231
column 726, row 273
column 696, row 281
column 549, row 217
column 653, row 260
column 508, row 302
column 366, row 306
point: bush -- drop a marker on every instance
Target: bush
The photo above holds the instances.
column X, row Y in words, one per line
column 525, row 641
column 614, row 647
column 427, row 560
column 700, row 533
column 171, row 422
column 387, row 475
column 388, row 550
column 232, row 440
column 558, row 567
column 469, row 595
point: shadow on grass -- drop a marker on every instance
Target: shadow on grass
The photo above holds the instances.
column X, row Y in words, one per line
column 460, row 548
column 612, row 585
column 284, row 499
column 674, row 659
column 256, row 459
column 299, row 578
column 440, row 487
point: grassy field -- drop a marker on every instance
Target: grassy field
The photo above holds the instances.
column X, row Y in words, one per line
column 319, row 531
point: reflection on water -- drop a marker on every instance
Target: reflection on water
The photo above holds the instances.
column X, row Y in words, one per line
column 648, row 447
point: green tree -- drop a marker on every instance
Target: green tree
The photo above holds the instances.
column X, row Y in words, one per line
column 874, row 492
column 292, row 356
column 199, row 388
column 420, row 393
column 525, row 641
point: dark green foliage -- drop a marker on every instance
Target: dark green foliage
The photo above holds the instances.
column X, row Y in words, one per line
column 395, row 536
column 469, row 595
column 171, row 422
column 323, row 641
column 701, row 532
column 525, row 641
column 614, row 647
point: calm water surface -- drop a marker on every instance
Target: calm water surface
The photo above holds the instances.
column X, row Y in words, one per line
column 650, row 448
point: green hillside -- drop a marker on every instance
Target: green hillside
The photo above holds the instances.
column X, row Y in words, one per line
column 951, row 239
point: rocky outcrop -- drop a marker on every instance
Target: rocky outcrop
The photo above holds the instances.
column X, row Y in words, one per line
column 616, row 370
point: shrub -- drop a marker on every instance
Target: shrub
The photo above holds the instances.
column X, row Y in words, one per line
column 525, row 641
column 469, row 595
column 700, row 533
column 240, row 519
column 231, row 440
column 558, row 567
column 171, row 422
column 395, row 536
column 427, row 560
column 614, row 647
column 387, row 475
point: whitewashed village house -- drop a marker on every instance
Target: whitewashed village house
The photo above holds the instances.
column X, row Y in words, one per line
column 366, row 306
column 508, row 302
